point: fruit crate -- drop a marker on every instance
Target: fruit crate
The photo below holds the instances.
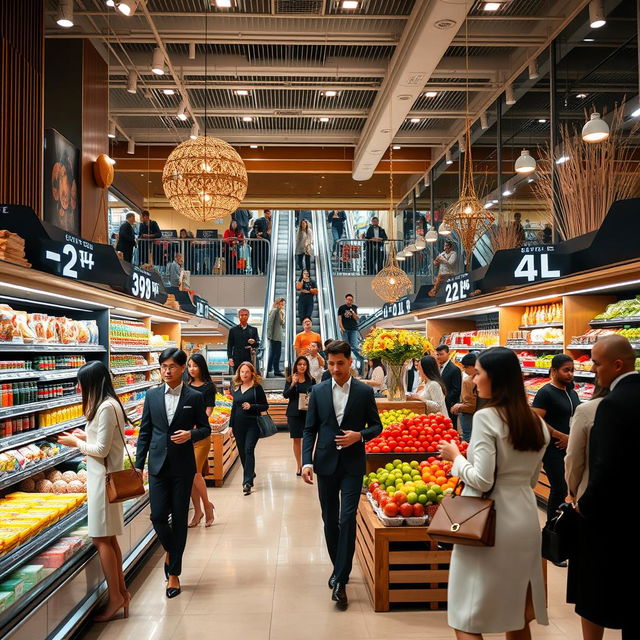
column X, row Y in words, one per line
column 222, row 456
column 400, row 565
column 542, row 489
column 278, row 412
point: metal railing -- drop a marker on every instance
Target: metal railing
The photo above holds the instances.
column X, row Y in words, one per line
column 265, row 346
column 291, row 311
column 204, row 257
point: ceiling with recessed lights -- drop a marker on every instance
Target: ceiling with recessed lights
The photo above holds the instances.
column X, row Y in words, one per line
column 357, row 73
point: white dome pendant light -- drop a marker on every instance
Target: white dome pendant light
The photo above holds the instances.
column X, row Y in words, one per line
column 595, row 129
column 525, row 163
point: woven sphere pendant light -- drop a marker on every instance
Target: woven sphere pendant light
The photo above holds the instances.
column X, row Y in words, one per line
column 204, row 178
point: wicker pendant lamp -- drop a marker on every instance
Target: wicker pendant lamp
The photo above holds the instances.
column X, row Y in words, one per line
column 391, row 282
column 204, row 178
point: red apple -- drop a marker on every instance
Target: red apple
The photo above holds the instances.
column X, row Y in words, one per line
column 406, row 510
column 391, row 509
column 418, row 510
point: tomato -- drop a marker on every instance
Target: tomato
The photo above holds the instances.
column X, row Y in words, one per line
column 375, row 449
column 407, row 449
column 391, row 509
column 385, row 449
column 397, row 450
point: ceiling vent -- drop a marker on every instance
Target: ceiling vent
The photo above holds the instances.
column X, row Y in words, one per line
column 313, row 7
column 445, row 23
column 287, row 112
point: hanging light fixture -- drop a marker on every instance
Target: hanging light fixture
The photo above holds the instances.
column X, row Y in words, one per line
column 420, row 245
column 131, row 147
column 534, row 74
column 112, row 129
column 132, row 81
column 509, row 95
column 444, row 229
column 127, row 7
column 157, row 63
column 596, row 14
column 447, row 157
column 525, row 163
column 192, row 51
column 595, row 129
column 400, row 258
column 65, row 14
column 484, row 121
column 195, row 129
column 182, row 111
column 432, row 235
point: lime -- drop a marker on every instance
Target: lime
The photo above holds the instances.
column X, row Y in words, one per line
column 414, row 464
column 389, row 466
column 422, row 498
column 412, row 497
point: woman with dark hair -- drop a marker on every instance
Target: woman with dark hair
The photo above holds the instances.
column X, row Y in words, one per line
column 102, row 442
column 308, row 289
column 556, row 403
column 376, row 376
column 501, row 588
column 304, row 245
column 233, row 238
column 431, row 390
column 297, row 389
column 200, row 380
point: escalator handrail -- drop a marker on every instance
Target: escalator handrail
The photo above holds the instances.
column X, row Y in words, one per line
column 291, row 306
column 269, row 290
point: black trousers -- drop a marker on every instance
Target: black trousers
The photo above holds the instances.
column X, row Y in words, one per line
column 300, row 257
column 553, row 463
column 274, row 356
column 169, row 496
column 339, row 496
column 127, row 254
column 247, row 436
column 305, row 306
column 375, row 259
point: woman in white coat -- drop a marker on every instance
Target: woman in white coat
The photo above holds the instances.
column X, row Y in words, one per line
column 431, row 389
column 103, row 444
column 500, row 589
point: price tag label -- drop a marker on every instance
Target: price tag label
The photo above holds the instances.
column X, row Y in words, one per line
column 455, row 289
column 400, row 307
column 73, row 259
column 537, row 263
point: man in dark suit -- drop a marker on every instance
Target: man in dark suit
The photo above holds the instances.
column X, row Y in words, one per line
column 127, row 237
column 242, row 340
column 375, row 237
column 262, row 230
column 613, row 446
column 173, row 418
column 342, row 416
column 149, row 230
column 452, row 378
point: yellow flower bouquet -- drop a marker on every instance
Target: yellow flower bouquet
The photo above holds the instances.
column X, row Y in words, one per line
column 395, row 346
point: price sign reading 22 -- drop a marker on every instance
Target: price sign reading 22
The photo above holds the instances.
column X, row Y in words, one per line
column 456, row 290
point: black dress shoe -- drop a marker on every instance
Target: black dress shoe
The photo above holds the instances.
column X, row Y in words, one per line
column 332, row 582
column 172, row 592
column 246, row 489
column 339, row 596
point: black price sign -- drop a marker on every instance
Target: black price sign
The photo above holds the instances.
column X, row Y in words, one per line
column 455, row 289
column 71, row 259
column 400, row 307
column 143, row 285
column 538, row 263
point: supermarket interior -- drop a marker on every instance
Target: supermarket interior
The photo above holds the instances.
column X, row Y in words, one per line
column 213, row 212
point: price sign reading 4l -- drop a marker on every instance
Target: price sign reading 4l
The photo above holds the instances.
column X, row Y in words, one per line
column 538, row 263
column 398, row 308
column 455, row 289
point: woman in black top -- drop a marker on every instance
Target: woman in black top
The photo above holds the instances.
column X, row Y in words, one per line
column 297, row 387
column 555, row 404
column 200, row 380
column 308, row 289
column 249, row 401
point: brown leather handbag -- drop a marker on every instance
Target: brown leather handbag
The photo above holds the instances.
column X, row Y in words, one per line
column 125, row 484
column 465, row 520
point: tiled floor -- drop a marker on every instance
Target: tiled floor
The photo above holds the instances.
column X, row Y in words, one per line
column 260, row 573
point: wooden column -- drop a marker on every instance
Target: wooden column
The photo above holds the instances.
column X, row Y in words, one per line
column 21, row 123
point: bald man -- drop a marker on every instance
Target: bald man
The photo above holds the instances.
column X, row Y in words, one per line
column 605, row 505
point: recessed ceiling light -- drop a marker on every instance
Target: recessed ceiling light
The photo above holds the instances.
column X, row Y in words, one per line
column 223, row 4
column 397, row 146
column 581, row 96
column 330, row 93
column 241, row 92
column 247, row 119
column 168, row 92
column 323, row 119
column 415, row 120
column 492, row 6
column 542, row 120
column 253, row 146
column 588, row 39
column 349, row 4
column 430, row 94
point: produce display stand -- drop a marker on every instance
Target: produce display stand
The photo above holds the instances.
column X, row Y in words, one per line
column 222, row 456
column 384, row 404
column 376, row 460
column 278, row 412
column 400, row 565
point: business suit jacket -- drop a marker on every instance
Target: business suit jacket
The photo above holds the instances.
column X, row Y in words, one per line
column 154, row 438
column 452, row 378
column 321, row 428
column 382, row 235
column 126, row 240
column 237, row 343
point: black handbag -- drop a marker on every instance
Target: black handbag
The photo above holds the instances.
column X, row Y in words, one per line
column 559, row 534
column 266, row 426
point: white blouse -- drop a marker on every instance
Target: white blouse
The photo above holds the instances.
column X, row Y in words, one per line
column 433, row 397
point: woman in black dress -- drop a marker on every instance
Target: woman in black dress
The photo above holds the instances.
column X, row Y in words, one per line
column 297, row 389
column 200, row 379
column 308, row 289
column 249, row 401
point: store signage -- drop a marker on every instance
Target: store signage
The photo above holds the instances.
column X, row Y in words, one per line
column 202, row 307
column 535, row 264
column 455, row 289
column 146, row 286
column 400, row 307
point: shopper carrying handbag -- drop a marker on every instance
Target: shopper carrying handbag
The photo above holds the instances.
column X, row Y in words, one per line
column 102, row 442
column 297, row 390
column 249, row 401
column 500, row 588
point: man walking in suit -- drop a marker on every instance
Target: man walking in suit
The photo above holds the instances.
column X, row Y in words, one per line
column 127, row 237
column 376, row 237
column 342, row 416
column 242, row 340
column 452, row 378
column 173, row 418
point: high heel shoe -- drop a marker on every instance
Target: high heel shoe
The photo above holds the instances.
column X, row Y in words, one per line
column 172, row 592
column 113, row 615
column 194, row 522
column 209, row 521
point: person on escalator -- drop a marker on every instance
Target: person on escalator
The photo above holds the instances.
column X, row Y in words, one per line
column 305, row 338
column 304, row 245
column 275, row 334
column 308, row 289
column 336, row 219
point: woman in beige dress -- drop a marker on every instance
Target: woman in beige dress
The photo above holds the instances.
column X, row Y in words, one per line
column 102, row 442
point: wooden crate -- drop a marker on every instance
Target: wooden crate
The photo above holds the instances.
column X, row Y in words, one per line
column 416, row 406
column 278, row 412
column 222, row 456
column 400, row 565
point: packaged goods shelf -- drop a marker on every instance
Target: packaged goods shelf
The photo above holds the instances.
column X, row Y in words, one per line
column 137, row 348
column 546, row 325
column 635, row 345
column 31, row 407
column 150, row 367
column 545, row 372
column 42, row 540
column 43, row 376
column 468, row 347
column 12, row 347
column 10, row 479
column 19, row 374
column 58, row 375
column 136, row 387
column 33, row 435
column 615, row 322
column 535, row 347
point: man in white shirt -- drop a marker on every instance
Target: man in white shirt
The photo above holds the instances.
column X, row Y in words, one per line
column 447, row 263
column 342, row 416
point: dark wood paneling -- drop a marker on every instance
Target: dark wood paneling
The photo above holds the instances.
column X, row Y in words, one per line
column 95, row 123
column 21, row 113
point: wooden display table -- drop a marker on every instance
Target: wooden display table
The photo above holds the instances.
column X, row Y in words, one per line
column 222, row 456
column 417, row 406
column 278, row 412
column 542, row 489
column 400, row 564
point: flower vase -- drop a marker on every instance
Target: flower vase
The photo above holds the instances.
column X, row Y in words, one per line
column 395, row 382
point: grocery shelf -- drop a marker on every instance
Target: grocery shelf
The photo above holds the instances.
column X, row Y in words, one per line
column 51, row 348
column 149, row 367
column 132, row 403
column 635, row 345
column 615, row 322
column 136, row 387
column 31, row 407
column 34, row 435
column 468, row 347
column 136, row 348
column 535, row 370
column 535, row 347
column 19, row 374
column 584, row 374
column 545, row 325
column 58, row 375
column 41, row 541
column 10, row 479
